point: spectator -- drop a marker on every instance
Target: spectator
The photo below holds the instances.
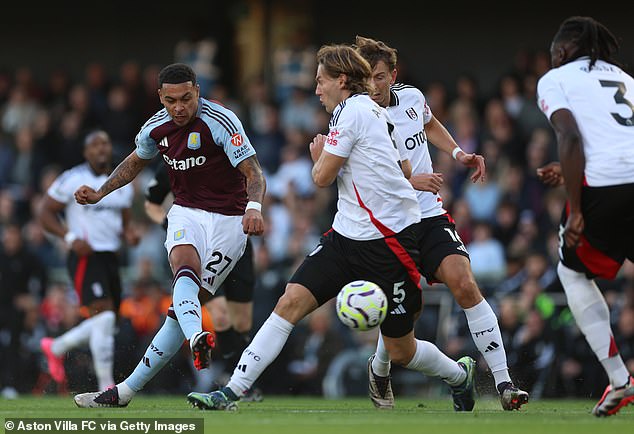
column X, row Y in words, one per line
column 487, row 256
column 19, row 112
column 294, row 65
column 22, row 283
column 120, row 120
column 200, row 50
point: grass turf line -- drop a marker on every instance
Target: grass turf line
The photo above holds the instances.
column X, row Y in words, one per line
column 281, row 415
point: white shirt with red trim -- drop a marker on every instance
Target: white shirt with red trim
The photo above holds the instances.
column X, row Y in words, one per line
column 410, row 113
column 101, row 224
column 375, row 199
column 602, row 101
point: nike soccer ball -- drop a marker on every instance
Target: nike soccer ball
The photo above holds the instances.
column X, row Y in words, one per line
column 361, row 305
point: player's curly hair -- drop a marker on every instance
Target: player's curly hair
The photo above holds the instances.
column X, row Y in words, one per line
column 591, row 38
column 373, row 51
column 176, row 73
column 343, row 59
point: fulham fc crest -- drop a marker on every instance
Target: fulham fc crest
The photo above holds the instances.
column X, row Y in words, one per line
column 412, row 113
column 193, row 141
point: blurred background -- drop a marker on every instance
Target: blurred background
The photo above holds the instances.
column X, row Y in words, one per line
column 69, row 67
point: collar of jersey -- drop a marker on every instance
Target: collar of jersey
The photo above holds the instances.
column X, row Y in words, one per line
column 200, row 107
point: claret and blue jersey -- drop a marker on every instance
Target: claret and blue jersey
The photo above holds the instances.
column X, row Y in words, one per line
column 201, row 157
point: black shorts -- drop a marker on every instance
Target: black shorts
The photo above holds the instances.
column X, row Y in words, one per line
column 437, row 239
column 95, row 277
column 608, row 235
column 389, row 262
column 239, row 284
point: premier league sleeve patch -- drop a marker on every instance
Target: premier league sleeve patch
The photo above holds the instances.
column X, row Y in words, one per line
column 193, row 141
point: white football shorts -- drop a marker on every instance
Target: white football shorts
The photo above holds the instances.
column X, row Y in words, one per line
column 218, row 238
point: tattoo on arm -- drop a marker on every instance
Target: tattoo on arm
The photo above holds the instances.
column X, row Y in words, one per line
column 256, row 184
column 123, row 173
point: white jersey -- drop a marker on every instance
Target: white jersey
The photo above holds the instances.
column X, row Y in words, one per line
column 101, row 224
column 602, row 102
column 409, row 112
column 375, row 199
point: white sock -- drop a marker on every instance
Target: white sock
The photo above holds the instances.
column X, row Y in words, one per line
column 263, row 349
column 592, row 315
column 186, row 304
column 73, row 338
column 102, row 347
column 165, row 344
column 381, row 362
column 125, row 393
column 487, row 337
column 432, row 362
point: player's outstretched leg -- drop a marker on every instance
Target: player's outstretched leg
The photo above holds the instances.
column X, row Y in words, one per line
column 614, row 399
column 55, row 362
column 511, row 397
column 223, row 399
column 107, row 398
column 464, row 394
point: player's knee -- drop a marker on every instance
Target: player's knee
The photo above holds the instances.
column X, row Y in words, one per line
column 400, row 356
column 465, row 290
column 102, row 305
column 219, row 313
column 288, row 303
column 295, row 304
column 581, row 292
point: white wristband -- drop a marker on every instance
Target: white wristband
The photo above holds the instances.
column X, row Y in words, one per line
column 254, row 205
column 455, row 151
column 69, row 238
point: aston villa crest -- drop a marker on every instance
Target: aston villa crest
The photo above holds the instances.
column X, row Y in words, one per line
column 193, row 141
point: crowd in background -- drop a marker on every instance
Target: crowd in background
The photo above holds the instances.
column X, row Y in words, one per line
column 509, row 225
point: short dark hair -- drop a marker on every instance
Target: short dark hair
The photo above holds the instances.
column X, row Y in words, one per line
column 177, row 73
column 93, row 134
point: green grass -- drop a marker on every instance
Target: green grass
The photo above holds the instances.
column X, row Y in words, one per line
column 299, row 415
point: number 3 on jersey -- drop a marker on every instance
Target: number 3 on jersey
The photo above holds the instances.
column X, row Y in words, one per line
column 619, row 97
column 216, row 267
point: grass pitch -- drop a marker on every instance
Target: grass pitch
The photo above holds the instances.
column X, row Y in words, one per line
column 299, row 415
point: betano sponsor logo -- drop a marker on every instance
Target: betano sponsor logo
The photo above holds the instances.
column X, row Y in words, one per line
column 185, row 164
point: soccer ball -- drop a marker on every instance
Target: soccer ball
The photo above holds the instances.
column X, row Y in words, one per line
column 361, row 305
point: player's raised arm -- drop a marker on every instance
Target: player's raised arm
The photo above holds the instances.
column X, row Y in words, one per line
column 440, row 137
column 253, row 222
column 326, row 165
column 122, row 175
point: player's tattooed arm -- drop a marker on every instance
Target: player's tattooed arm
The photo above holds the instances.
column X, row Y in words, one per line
column 123, row 174
column 252, row 221
column 256, row 184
